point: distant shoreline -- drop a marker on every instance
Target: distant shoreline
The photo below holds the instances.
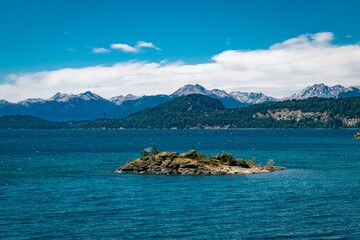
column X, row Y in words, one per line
column 158, row 129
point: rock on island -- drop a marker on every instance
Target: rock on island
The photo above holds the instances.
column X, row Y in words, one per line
column 193, row 163
column 357, row 136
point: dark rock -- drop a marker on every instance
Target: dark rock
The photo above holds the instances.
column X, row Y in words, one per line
column 273, row 168
column 230, row 160
column 225, row 156
column 166, row 163
column 222, row 156
column 174, row 166
column 190, row 166
column 190, row 154
column 174, row 154
column 187, row 171
column 241, row 163
column 158, row 160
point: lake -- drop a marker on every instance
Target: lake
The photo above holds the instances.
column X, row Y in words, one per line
column 62, row 184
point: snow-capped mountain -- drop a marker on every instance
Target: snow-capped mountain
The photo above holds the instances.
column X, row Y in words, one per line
column 227, row 100
column 86, row 96
column 318, row 90
column 121, row 99
column 234, row 99
column 191, row 89
column 5, row 104
column 30, row 101
column 219, row 93
column 61, row 97
column 252, row 98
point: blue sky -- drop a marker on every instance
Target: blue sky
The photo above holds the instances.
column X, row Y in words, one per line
column 42, row 36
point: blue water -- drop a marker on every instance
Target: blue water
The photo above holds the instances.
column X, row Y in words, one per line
column 61, row 184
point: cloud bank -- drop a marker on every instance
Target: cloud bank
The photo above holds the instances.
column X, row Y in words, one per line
column 282, row 69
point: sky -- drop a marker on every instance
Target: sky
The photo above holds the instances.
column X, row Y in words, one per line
column 154, row 47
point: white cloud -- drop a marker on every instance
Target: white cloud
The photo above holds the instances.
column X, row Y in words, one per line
column 124, row 47
column 100, row 50
column 142, row 44
column 282, row 69
column 322, row 39
column 137, row 48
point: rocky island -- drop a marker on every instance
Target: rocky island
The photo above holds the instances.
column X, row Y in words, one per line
column 357, row 136
column 193, row 163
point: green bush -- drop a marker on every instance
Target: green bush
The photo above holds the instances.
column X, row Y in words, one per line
column 250, row 162
column 145, row 153
column 155, row 150
column 270, row 162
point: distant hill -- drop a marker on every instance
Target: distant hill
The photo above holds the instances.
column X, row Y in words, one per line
column 27, row 122
column 181, row 112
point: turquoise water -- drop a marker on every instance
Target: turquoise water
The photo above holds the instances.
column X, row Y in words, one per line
column 62, row 184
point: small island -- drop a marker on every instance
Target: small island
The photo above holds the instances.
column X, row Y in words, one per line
column 193, row 163
column 357, row 135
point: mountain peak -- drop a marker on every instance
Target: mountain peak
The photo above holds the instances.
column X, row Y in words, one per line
column 29, row 101
column 64, row 97
column 220, row 93
column 319, row 90
column 319, row 85
column 88, row 96
column 4, row 102
column 60, row 97
column 191, row 89
column 251, row 97
column 118, row 100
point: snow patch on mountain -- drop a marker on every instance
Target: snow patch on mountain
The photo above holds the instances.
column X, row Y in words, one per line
column 252, row 98
column 86, row 96
column 220, row 93
column 118, row 100
column 30, row 101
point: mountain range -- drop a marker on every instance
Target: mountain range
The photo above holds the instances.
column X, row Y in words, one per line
column 90, row 106
column 199, row 111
